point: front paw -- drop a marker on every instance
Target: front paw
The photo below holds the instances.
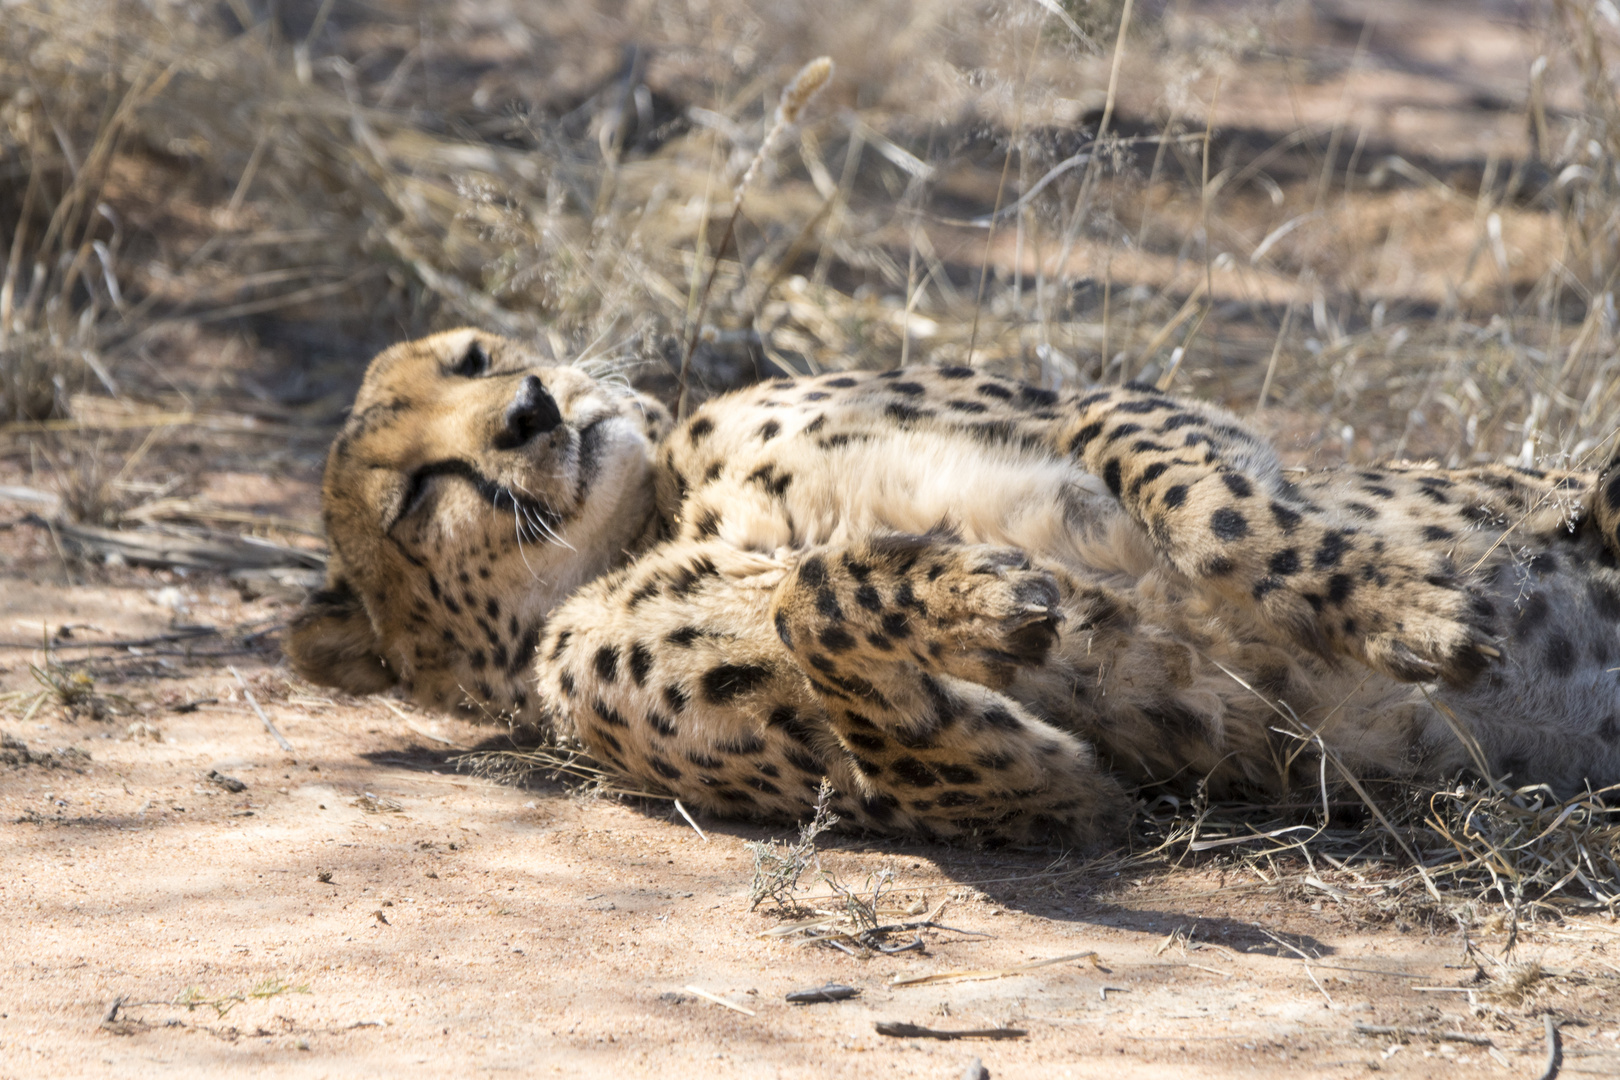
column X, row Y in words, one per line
column 993, row 613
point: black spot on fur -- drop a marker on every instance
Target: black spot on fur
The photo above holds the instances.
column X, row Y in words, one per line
column 742, row 745
column 790, row 724
column 966, row 406
column 663, row 768
column 683, row 637
column 1560, row 656
column 1149, row 474
column 699, row 428
column 662, row 724
column 913, row 773
column 687, row 577
column 827, row 605
column 708, row 524
column 992, row 390
column 1228, row 524
column 875, row 744
column 1437, row 533
column 1000, row 718
column 607, row 663
column 724, row 683
column 879, row 808
column 1111, row 475
column 769, row 430
column 1237, row 485
column 1340, row 586
column 1083, row 437
column 803, row 761
column 1285, row 562
column 1605, row 600
column 641, row 662
column 1331, row 551
column 608, row 714
column 910, row 389
column 835, row 639
column 675, row 698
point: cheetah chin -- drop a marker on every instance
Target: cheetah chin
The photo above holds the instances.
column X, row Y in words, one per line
column 980, row 609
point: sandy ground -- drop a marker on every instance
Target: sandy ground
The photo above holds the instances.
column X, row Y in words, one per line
column 360, row 907
column 402, row 918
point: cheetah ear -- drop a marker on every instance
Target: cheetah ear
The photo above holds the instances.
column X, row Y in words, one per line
column 331, row 641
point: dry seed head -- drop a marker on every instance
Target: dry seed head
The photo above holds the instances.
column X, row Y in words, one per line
column 805, row 85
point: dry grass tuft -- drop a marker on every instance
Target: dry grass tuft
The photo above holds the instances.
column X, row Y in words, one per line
column 778, row 867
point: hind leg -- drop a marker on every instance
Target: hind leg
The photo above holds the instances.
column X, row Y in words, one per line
column 906, row 640
column 1212, row 497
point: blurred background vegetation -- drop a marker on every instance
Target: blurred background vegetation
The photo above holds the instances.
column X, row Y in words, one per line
column 1388, row 229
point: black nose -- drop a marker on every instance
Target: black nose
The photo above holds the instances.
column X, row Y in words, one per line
column 532, row 412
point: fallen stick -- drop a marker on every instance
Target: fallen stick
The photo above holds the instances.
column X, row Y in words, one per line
column 993, row 973
column 1555, row 1049
column 1424, row 1033
column 913, row 1031
column 718, row 1000
column 701, row 834
column 281, row 740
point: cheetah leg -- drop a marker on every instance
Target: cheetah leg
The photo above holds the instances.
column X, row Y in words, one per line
column 906, row 640
column 669, row 674
column 1212, row 497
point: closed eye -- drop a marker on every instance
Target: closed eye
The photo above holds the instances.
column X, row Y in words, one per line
column 416, row 486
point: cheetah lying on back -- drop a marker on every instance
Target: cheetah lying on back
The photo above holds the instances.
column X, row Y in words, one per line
column 975, row 606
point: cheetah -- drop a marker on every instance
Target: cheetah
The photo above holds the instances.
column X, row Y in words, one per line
column 979, row 609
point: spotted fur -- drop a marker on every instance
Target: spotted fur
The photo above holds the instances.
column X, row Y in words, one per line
column 973, row 605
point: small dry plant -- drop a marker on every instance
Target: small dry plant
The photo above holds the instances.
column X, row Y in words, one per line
column 779, row 866
column 70, row 688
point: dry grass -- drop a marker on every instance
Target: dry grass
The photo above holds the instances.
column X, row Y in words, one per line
column 1067, row 192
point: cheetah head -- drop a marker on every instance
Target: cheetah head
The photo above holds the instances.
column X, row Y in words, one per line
column 473, row 487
